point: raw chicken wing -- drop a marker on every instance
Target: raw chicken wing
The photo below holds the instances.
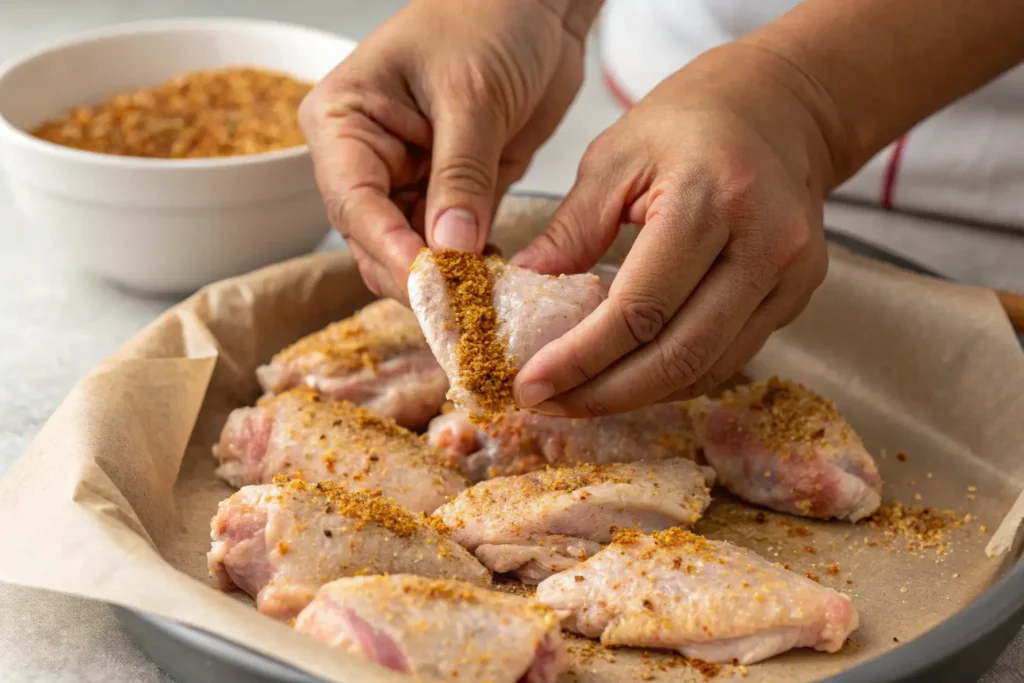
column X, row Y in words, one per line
column 521, row 441
column 778, row 444
column 483, row 319
column 709, row 600
column 539, row 523
column 297, row 432
column 280, row 542
column 377, row 359
column 438, row 630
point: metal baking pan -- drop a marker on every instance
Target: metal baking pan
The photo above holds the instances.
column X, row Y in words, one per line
column 959, row 650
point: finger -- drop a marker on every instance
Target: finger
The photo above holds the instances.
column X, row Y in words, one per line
column 379, row 227
column 689, row 346
column 463, row 178
column 355, row 180
column 369, row 269
column 676, row 247
column 777, row 310
column 583, row 226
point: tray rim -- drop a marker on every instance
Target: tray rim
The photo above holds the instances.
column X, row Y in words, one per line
column 979, row 623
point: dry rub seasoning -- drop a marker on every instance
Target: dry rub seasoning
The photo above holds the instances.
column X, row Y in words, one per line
column 219, row 113
column 379, row 331
column 363, row 506
column 484, row 367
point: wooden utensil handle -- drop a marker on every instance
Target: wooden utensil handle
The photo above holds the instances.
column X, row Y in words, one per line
column 1013, row 304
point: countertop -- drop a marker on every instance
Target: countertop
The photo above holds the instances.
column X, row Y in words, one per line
column 55, row 326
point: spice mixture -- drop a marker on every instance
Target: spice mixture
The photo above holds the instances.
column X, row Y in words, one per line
column 484, row 368
column 363, row 506
column 379, row 331
column 219, row 113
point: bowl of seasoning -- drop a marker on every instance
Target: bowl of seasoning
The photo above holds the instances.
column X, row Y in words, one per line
column 166, row 155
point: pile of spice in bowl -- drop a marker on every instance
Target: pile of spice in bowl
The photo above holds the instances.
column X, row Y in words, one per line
column 167, row 155
column 216, row 113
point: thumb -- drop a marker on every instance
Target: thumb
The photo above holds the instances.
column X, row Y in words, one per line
column 581, row 230
column 463, row 179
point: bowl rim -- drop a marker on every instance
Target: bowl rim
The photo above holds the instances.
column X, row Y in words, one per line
column 16, row 134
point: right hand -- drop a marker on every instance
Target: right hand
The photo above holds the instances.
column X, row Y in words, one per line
column 420, row 131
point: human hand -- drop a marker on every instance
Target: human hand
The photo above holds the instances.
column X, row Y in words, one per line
column 422, row 129
column 725, row 165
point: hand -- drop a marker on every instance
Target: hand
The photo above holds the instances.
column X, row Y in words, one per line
column 421, row 130
column 725, row 166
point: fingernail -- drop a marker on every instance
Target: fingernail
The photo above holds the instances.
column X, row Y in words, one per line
column 456, row 229
column 550, row 408
column 532, row 393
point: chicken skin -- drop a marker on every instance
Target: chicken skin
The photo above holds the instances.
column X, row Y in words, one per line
column 483, row 319
column 539, row 523
column 436, row 630
column 777, row 444
column 520, row 441
column 280, row 542
column 709, row 600
column 298, row 432
column 377, row 359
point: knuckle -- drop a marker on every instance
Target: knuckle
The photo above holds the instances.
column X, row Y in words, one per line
column 818, row 268
column 335, row 207
column 563, row 239
column 466, row 173
column 596, row 155
column 795, row 243
column 682, row 363
column 737, row 188
column 309, row 112
column 595, row 408
column 644, row 315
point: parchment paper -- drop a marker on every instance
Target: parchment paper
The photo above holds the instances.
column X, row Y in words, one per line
column 113, row 498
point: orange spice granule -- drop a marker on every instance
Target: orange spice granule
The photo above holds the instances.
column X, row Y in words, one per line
column 484, row 368
column 901, row 456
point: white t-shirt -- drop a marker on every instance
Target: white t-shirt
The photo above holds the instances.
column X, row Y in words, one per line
column 965, row 162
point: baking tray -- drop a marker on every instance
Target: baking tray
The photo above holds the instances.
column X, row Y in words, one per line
column 959, row 650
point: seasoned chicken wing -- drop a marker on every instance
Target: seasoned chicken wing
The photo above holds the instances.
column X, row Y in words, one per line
column 539, row 523
column 778, row 444
column 280, row 542
column 438, row 630
column 377, row 359
column 483, row 319
column 298, row 432
column 521, row 441
column 709, row 600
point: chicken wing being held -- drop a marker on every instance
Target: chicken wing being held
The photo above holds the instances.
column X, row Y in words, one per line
column 280, row 542
column 438, row 630
column 483, row 319
column 778, row 444
column 709, row 600
column 377, row 359
column 298, row 432
column 539, row 523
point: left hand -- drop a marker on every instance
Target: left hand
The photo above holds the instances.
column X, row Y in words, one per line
column 725, row 165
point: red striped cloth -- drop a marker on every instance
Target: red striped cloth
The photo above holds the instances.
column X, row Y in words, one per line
column 965, row 162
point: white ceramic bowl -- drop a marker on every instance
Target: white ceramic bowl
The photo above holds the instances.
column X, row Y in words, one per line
column 161, row 225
